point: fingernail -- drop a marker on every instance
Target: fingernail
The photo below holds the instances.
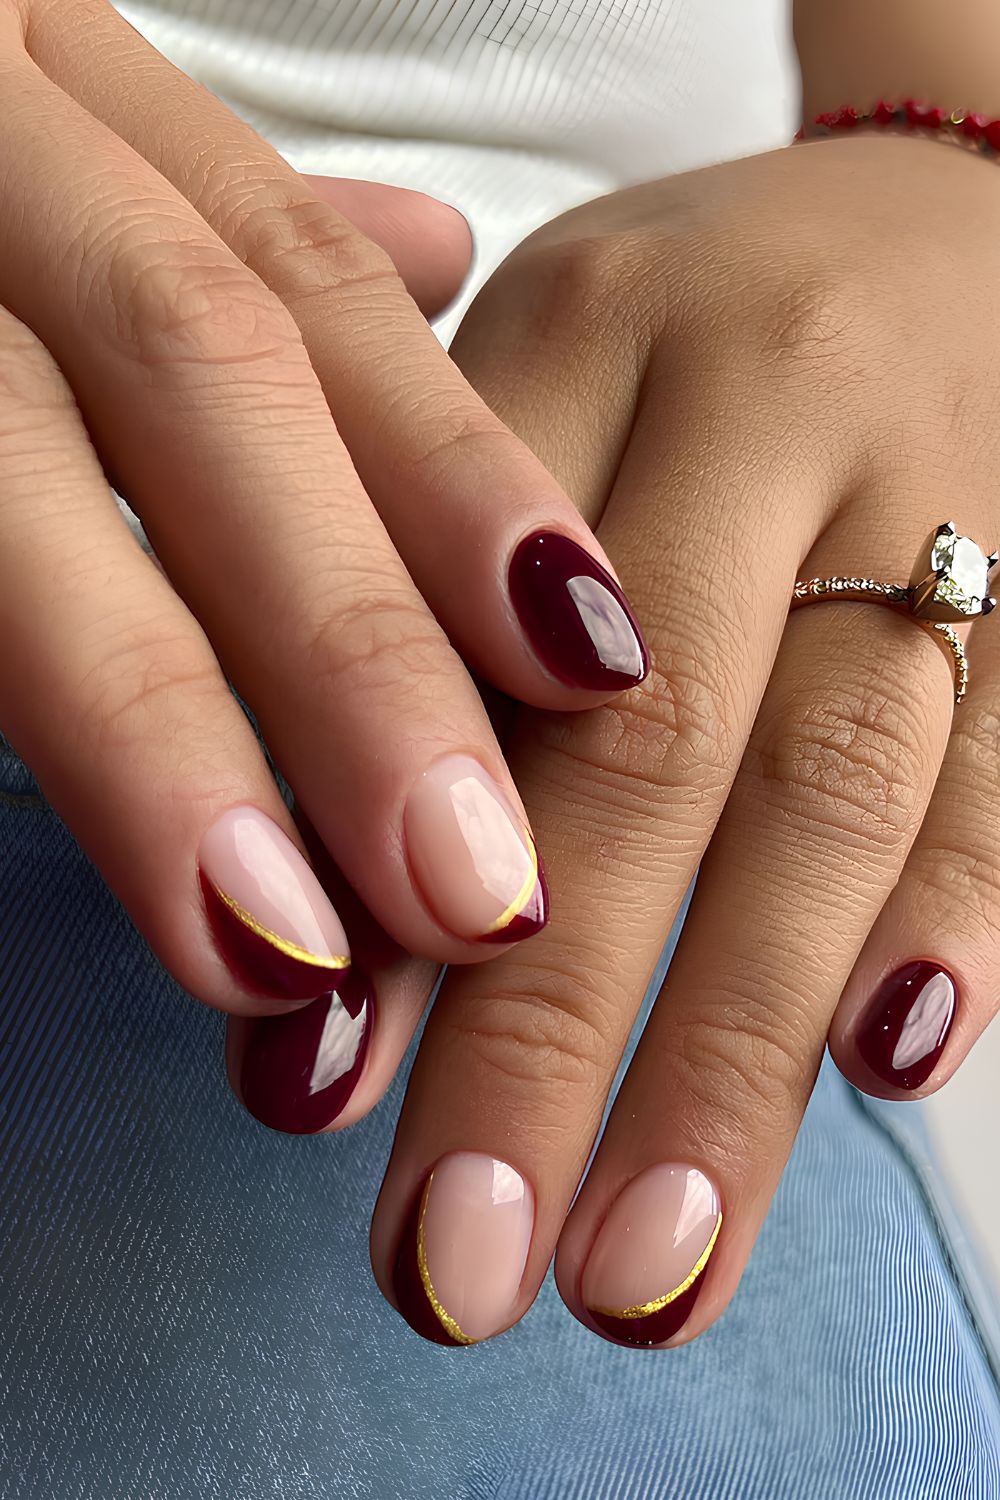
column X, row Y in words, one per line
column 473, row 858
column 906, row 1024
column 268, row 913
column 644, row 1272
column 575, row 615
column 464, row 1248
column 299, row 1069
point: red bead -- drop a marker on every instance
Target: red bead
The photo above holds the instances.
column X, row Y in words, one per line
column 926, row 115
column 991, row 134
column 844, row 118
column 826, row 119
column 974, row 125
column 800, row 134
column 884, row 113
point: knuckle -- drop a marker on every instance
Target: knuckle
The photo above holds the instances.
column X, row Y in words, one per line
column 851, row 763
column 309, row 249
column 967, row 876
column 742, row 1063
column 562, row 288
column 147, row 676
column 806, row 320
column 539, row 1035
column 180, row 305
column 670, row 733
column 382, row 642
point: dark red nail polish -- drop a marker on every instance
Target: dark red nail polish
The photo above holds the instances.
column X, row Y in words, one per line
column 528, row 921
column 300, row 1069
column 657, row 1327
column 263, row 961
column 575, row 615
column 907, row 1022
column 408, row 1281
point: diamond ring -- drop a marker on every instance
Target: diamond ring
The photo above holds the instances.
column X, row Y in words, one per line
column 949, row 585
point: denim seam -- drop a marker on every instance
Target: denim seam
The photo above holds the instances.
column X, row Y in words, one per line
column 991, row 1355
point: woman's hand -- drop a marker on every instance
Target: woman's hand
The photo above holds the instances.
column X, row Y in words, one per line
column 776, row 369
column 181, row 310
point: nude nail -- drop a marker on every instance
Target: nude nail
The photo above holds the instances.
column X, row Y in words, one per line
column 644, row 1272
column 463, row 1253
column 267, row 910
column 472, row 855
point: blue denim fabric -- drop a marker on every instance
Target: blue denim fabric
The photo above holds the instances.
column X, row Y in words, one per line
column 187, row 1312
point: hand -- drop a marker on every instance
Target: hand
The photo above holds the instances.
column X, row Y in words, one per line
column 181, row 307
column 776, row 369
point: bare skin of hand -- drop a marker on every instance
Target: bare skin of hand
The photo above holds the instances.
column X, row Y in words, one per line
column 341, row 523
column 770, row 370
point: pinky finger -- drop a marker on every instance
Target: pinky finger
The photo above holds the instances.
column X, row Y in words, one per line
column 927, row 982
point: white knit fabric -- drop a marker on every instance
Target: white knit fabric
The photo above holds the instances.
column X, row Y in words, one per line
column 511, row 110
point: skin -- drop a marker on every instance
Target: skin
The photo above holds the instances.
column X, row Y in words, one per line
column 728, row 378
column 744, row 397
column 207, row 327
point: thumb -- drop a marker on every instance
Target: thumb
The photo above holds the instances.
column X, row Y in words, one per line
column 429, row 241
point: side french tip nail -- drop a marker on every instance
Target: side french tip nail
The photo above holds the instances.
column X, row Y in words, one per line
column 906, row 1024
column 298, row 1070
column 576, row 617
column 270, row 917
column 463, row 1249
column 472, row 857
column 645, row 1270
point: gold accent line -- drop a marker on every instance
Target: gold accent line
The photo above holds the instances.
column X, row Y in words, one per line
column 645, row 1309
column 333, row 961
column 524, row 895
column 444, row 1317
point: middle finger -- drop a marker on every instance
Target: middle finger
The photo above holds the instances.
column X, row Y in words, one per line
column 194, row 376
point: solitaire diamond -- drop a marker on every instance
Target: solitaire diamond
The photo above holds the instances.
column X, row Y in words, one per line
column 964, row 584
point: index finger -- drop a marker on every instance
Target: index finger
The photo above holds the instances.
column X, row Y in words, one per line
column 497, row 549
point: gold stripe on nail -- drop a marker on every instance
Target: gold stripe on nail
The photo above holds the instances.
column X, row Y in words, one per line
column 526, row 892
column 444, row 1317
column 645, row 1309
column 331, row 961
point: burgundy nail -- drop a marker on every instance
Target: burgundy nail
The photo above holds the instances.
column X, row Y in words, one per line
column 300, row 1069
column 575, row 615
column 269, row 914
column 905, row 1027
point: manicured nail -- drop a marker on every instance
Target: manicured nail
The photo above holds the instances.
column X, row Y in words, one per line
column 644, row 1273
column 575, row 615
column 299, row 1069
column 906, row 1024
column 471, row 855
column 463, row 1251
column 268, row 913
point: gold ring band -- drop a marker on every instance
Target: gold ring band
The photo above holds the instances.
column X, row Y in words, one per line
column 949, row 585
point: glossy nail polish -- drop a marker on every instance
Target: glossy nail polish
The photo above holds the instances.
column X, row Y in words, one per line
column 575, row 616
column 464, row 1248
column 269, row 915
column 472, row 857
column 298, row 1070
column 906, row 1024
column 645, row 1269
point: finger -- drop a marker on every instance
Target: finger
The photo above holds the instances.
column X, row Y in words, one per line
column 837, row 774
column 925, row 984
column 544, row 621
column 326, row 1065
column 195, row 379
column 482, row 1174
column 429, row 242
column 109, row 689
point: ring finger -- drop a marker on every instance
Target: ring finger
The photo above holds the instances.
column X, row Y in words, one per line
column 835, row 781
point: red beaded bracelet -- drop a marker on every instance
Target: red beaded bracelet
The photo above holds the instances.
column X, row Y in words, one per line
column 976, row 129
